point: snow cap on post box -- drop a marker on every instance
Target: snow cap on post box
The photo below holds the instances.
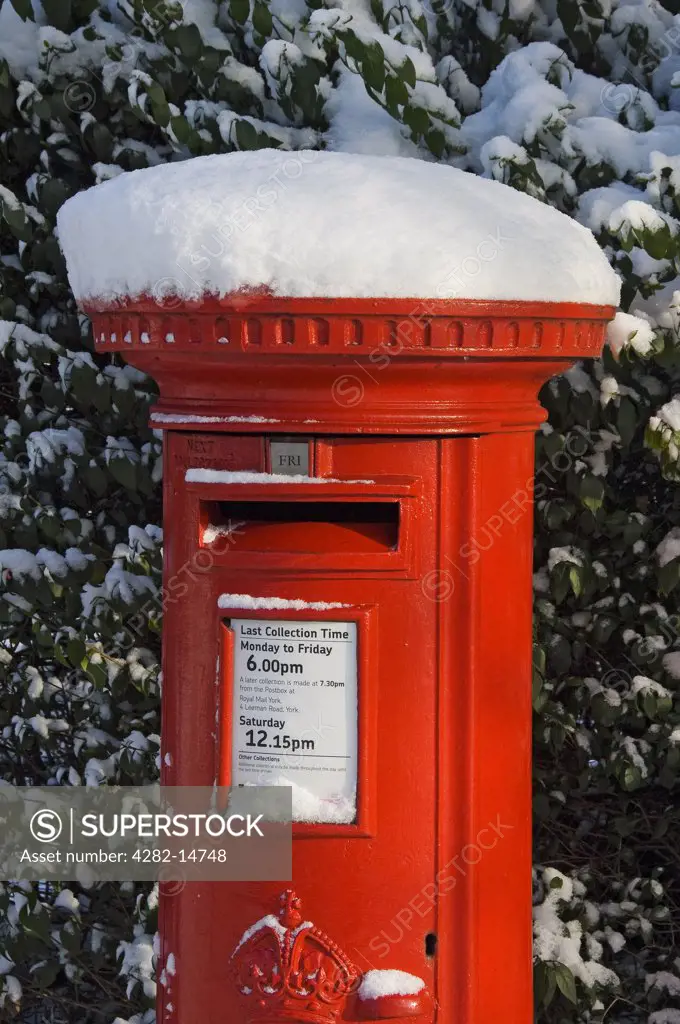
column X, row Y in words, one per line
column 324, row 225
column 323, row 293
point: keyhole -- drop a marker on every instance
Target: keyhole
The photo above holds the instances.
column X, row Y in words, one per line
column 430, row 944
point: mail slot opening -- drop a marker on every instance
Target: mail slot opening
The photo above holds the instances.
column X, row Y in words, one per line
column 303, row 527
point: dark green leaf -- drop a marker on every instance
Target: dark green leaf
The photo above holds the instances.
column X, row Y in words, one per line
column 59, row 14
column 24, row 9
column 75, row 652
column 262, row 19
column 566, row 983
column 239, row 10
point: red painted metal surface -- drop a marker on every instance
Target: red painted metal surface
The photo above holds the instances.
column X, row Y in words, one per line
column 433, row 403
column 294, row 971
column 256, row 363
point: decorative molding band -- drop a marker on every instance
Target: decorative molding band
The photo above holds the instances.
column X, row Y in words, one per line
column 290, row 327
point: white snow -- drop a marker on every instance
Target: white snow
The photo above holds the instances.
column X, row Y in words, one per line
column 55, row 563
column 67, row 901
column 338, row 809
column 76, row 559
column 138, row 962
column 203, row 16
column 19, row 562
column 664, row 981
column 211, row 532
column 13, row 988
column 669, row 547
column 568, row 554
column 118, row 585
column 615, row 939
column 626, row 330
column 169, row 417
column 273, row 924
column 223, row 476
column 636, row 215
column 635, row 751
column 18, row 42
column 348, row 225
column 358, row 124
column 268, row 921
column 274, row 603
column 375, row 984
column 666, row 1016
column 643, row 684
column 671, row 663
column 40, row 725
column 670, row 414
column 558, row 940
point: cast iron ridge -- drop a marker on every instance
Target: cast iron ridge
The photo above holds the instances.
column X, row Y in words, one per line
column 257, row 323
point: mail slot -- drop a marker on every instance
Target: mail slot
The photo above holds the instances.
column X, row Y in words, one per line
column 359, row 631
column 301, row 526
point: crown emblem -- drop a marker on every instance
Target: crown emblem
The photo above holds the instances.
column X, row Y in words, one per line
column 290, row 970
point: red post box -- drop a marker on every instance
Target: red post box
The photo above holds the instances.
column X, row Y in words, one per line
column 348, row 522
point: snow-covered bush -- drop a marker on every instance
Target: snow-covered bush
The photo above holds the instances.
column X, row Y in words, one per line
column 574, row 102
